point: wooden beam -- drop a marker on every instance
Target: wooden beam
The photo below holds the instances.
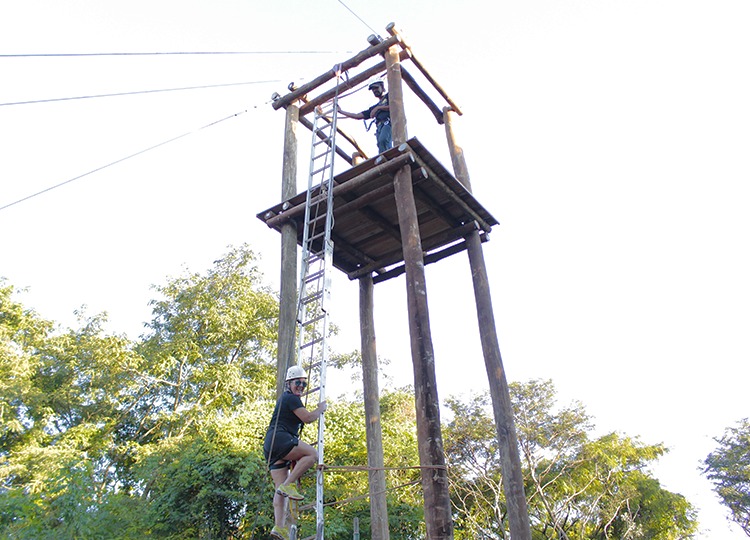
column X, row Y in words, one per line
column 391, row 28
column 360, row 78
column 288, row 282
column 454, row 196
column 341, row 132
column 353, row 82
column 428, row 244
column 421, row 94
column 429, row 258
column 411, row 82
column 327, row 76
column 434, row 207
column 363, row 200
column 460, row 170
column 510, row 461
column 437, row 503
column 345, row 246
column 378, row 505
column 376, row 172
column 309, row 125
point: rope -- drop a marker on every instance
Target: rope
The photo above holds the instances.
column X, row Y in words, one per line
column 119, row 160
column 50, row 100
column 365, row 468
column 358, row 17
column 361, row 497
column 166, row 53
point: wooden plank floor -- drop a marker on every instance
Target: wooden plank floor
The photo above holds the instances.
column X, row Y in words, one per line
column 366, row 233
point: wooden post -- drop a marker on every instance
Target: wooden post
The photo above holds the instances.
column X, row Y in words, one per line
column 288, row 285
column 378, row 504
column 437, row 504
column 518, row 515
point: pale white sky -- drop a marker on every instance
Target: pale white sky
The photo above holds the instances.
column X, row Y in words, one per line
column 608, row 137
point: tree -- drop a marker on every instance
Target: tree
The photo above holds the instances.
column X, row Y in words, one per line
column 577, row 488
column 728, row 467
column 101, row 437
column 346, row 483
column 211, row 344
column 90, row 423
column 209, row 484
column 57, row 471
column 21, row 330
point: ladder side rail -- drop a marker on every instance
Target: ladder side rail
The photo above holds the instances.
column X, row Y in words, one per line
column 313, row 297
column 305, row 262
column 328, row 264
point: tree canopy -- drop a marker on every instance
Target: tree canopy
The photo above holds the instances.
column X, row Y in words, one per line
column 103, row 437
column 577, row 487
column 160, row 437
column 728, row 468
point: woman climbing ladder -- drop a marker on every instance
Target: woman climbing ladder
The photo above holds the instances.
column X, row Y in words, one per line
column 282, row 446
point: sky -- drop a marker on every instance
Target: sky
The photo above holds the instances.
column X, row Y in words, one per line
column 609, row 139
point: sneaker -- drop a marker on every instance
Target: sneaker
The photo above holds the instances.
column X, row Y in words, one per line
column 289, row 490
column 282, row 533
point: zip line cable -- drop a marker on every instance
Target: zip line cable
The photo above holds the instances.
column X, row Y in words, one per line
column 186, row 53
column 120, row 160
column 136, row 92
column 358, row 17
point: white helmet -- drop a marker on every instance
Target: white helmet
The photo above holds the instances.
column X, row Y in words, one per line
column 295, row 372
column 376, row 82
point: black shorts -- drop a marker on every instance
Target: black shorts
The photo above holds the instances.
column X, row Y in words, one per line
column 283, row 443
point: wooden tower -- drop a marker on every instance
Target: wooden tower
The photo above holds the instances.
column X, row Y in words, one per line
column 395, row 213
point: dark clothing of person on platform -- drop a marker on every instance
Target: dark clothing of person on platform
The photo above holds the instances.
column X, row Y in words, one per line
column 380, row 113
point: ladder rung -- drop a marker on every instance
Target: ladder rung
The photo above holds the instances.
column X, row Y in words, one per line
column 326, row 151
column 311, row 343
column 311, row 240
column 315, row 237
column 317, row 218
column 312, row 277
column 313, row 320
column 312, row 297
column 316, row 256
column 311, row 391
column 313, row 257
column 319, row 198
column 313, row 366
column 323, row 168
column 326, row 132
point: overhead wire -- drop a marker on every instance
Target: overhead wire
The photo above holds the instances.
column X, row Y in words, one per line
column 121, row 160
column 167, row 53
column 135, row 92
column 358, row 17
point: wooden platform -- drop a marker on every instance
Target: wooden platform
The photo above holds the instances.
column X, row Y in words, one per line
column 366, row 233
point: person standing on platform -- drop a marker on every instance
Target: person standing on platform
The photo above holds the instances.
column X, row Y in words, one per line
column 380, row 112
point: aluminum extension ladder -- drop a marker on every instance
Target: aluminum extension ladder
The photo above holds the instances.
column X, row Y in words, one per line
column 314, row 294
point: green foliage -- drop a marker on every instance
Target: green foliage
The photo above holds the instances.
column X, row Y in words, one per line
column 212, row 343
column 101, row 437
column 728, row 468
column 21, row 330
column 104, row 438
column 576, row 487
column 347, row 488
column 201, row 485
